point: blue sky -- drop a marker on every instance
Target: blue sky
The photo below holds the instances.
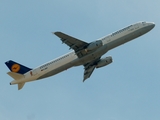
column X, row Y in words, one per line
column 127, row 89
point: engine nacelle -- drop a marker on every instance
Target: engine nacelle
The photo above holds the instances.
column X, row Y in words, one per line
column 104, row 61
column 94, row 45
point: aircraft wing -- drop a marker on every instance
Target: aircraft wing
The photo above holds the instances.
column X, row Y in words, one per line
column 74, row 43
column 88, row 71
column 89, row 68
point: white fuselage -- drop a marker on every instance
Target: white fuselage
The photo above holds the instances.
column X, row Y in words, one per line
column 71, row 59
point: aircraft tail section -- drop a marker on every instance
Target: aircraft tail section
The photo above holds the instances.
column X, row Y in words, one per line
column 16, row 67
column 16, row 76
column 17, row 72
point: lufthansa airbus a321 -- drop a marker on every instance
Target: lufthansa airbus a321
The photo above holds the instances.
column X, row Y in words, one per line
column 86, row 54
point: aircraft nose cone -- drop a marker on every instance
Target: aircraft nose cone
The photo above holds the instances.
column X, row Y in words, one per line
column 152, row 25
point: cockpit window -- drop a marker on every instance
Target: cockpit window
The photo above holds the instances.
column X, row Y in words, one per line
column 143, row 23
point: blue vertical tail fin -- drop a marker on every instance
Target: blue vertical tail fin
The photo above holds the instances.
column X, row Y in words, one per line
column 16, row 67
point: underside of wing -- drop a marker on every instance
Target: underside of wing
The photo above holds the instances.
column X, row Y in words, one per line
column 89, row 68
column 88, row 72
column 74, row 43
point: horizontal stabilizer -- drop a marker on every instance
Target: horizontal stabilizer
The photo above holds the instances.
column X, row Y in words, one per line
column 20, row 85
column 16, row 76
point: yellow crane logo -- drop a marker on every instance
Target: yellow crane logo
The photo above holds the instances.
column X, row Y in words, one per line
column 15, row 68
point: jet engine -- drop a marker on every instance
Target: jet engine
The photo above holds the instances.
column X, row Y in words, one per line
column 104, row 61
column 94, row 45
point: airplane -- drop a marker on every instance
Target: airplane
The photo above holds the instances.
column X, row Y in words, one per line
column 84, row 53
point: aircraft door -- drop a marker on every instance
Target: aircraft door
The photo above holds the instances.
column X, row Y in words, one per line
column 136, row 26
column 107, row 39
column 33, row 72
